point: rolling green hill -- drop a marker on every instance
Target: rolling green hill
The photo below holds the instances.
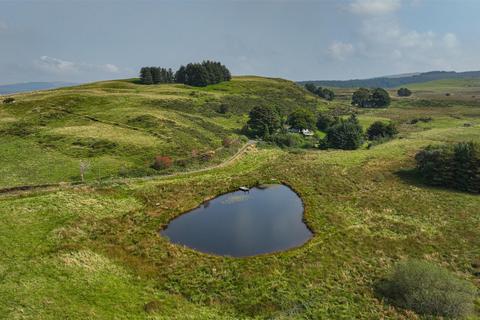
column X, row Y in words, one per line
column 118, row 127
column 397, row 81
column 94, row 251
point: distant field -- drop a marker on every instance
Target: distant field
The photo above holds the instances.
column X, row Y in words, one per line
column 94, row 251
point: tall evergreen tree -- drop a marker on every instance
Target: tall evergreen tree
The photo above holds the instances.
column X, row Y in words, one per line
column 156, row 74
column 170, row 75
column 181, row 75
column 146, row 75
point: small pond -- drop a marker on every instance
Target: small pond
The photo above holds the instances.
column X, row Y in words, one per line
column 268, row 218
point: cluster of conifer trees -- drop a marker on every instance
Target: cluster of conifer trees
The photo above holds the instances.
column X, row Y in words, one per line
column 154, row 75
column 202, row 74
column 194, row 74
column 452, row 165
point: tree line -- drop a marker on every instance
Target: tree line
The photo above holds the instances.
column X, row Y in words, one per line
column 193, row 74
column 362, row 98
column 321, row 92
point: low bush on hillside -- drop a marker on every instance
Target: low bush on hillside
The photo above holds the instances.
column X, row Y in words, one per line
column 346, row 134
column 381, row 130
column 206, row 156
column 92, row 146
column 288, row 140
column 421, row 119
column 428, row 289
column 228, row 142
column 8, row 100
column 144, row 121
column 404, row 92
column 453, row 165
column 223, row 108
column 162, row 162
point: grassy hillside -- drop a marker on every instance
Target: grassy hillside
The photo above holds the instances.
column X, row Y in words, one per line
column 118, row 127
column 94, row 251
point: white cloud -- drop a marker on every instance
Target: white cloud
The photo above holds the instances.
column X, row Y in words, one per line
column 63, row 67
column 111, row 68
column 383, row 40
column 55, row 65
column 374, row 7
column 450, row 40
column 341, row 50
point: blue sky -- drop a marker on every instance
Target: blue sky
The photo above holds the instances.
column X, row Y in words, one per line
column 295, row 39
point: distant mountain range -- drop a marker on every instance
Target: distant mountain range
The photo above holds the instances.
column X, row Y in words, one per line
column 32, row 86
column 395, row 80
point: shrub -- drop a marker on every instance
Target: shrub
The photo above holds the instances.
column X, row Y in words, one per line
column 223, row 108
column 325, row 121
column 422, row 119
column 404, row 92
column 182, row 162
column 346, row 134
column 207, row 156
column 229, row 141
column 454, row 166
column 380, row 129
column 8, row 100
column 288, row 140
column 428, row 289
column 152, row 306
column 162, row 162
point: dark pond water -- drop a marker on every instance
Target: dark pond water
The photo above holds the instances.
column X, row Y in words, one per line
column 266, row 219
